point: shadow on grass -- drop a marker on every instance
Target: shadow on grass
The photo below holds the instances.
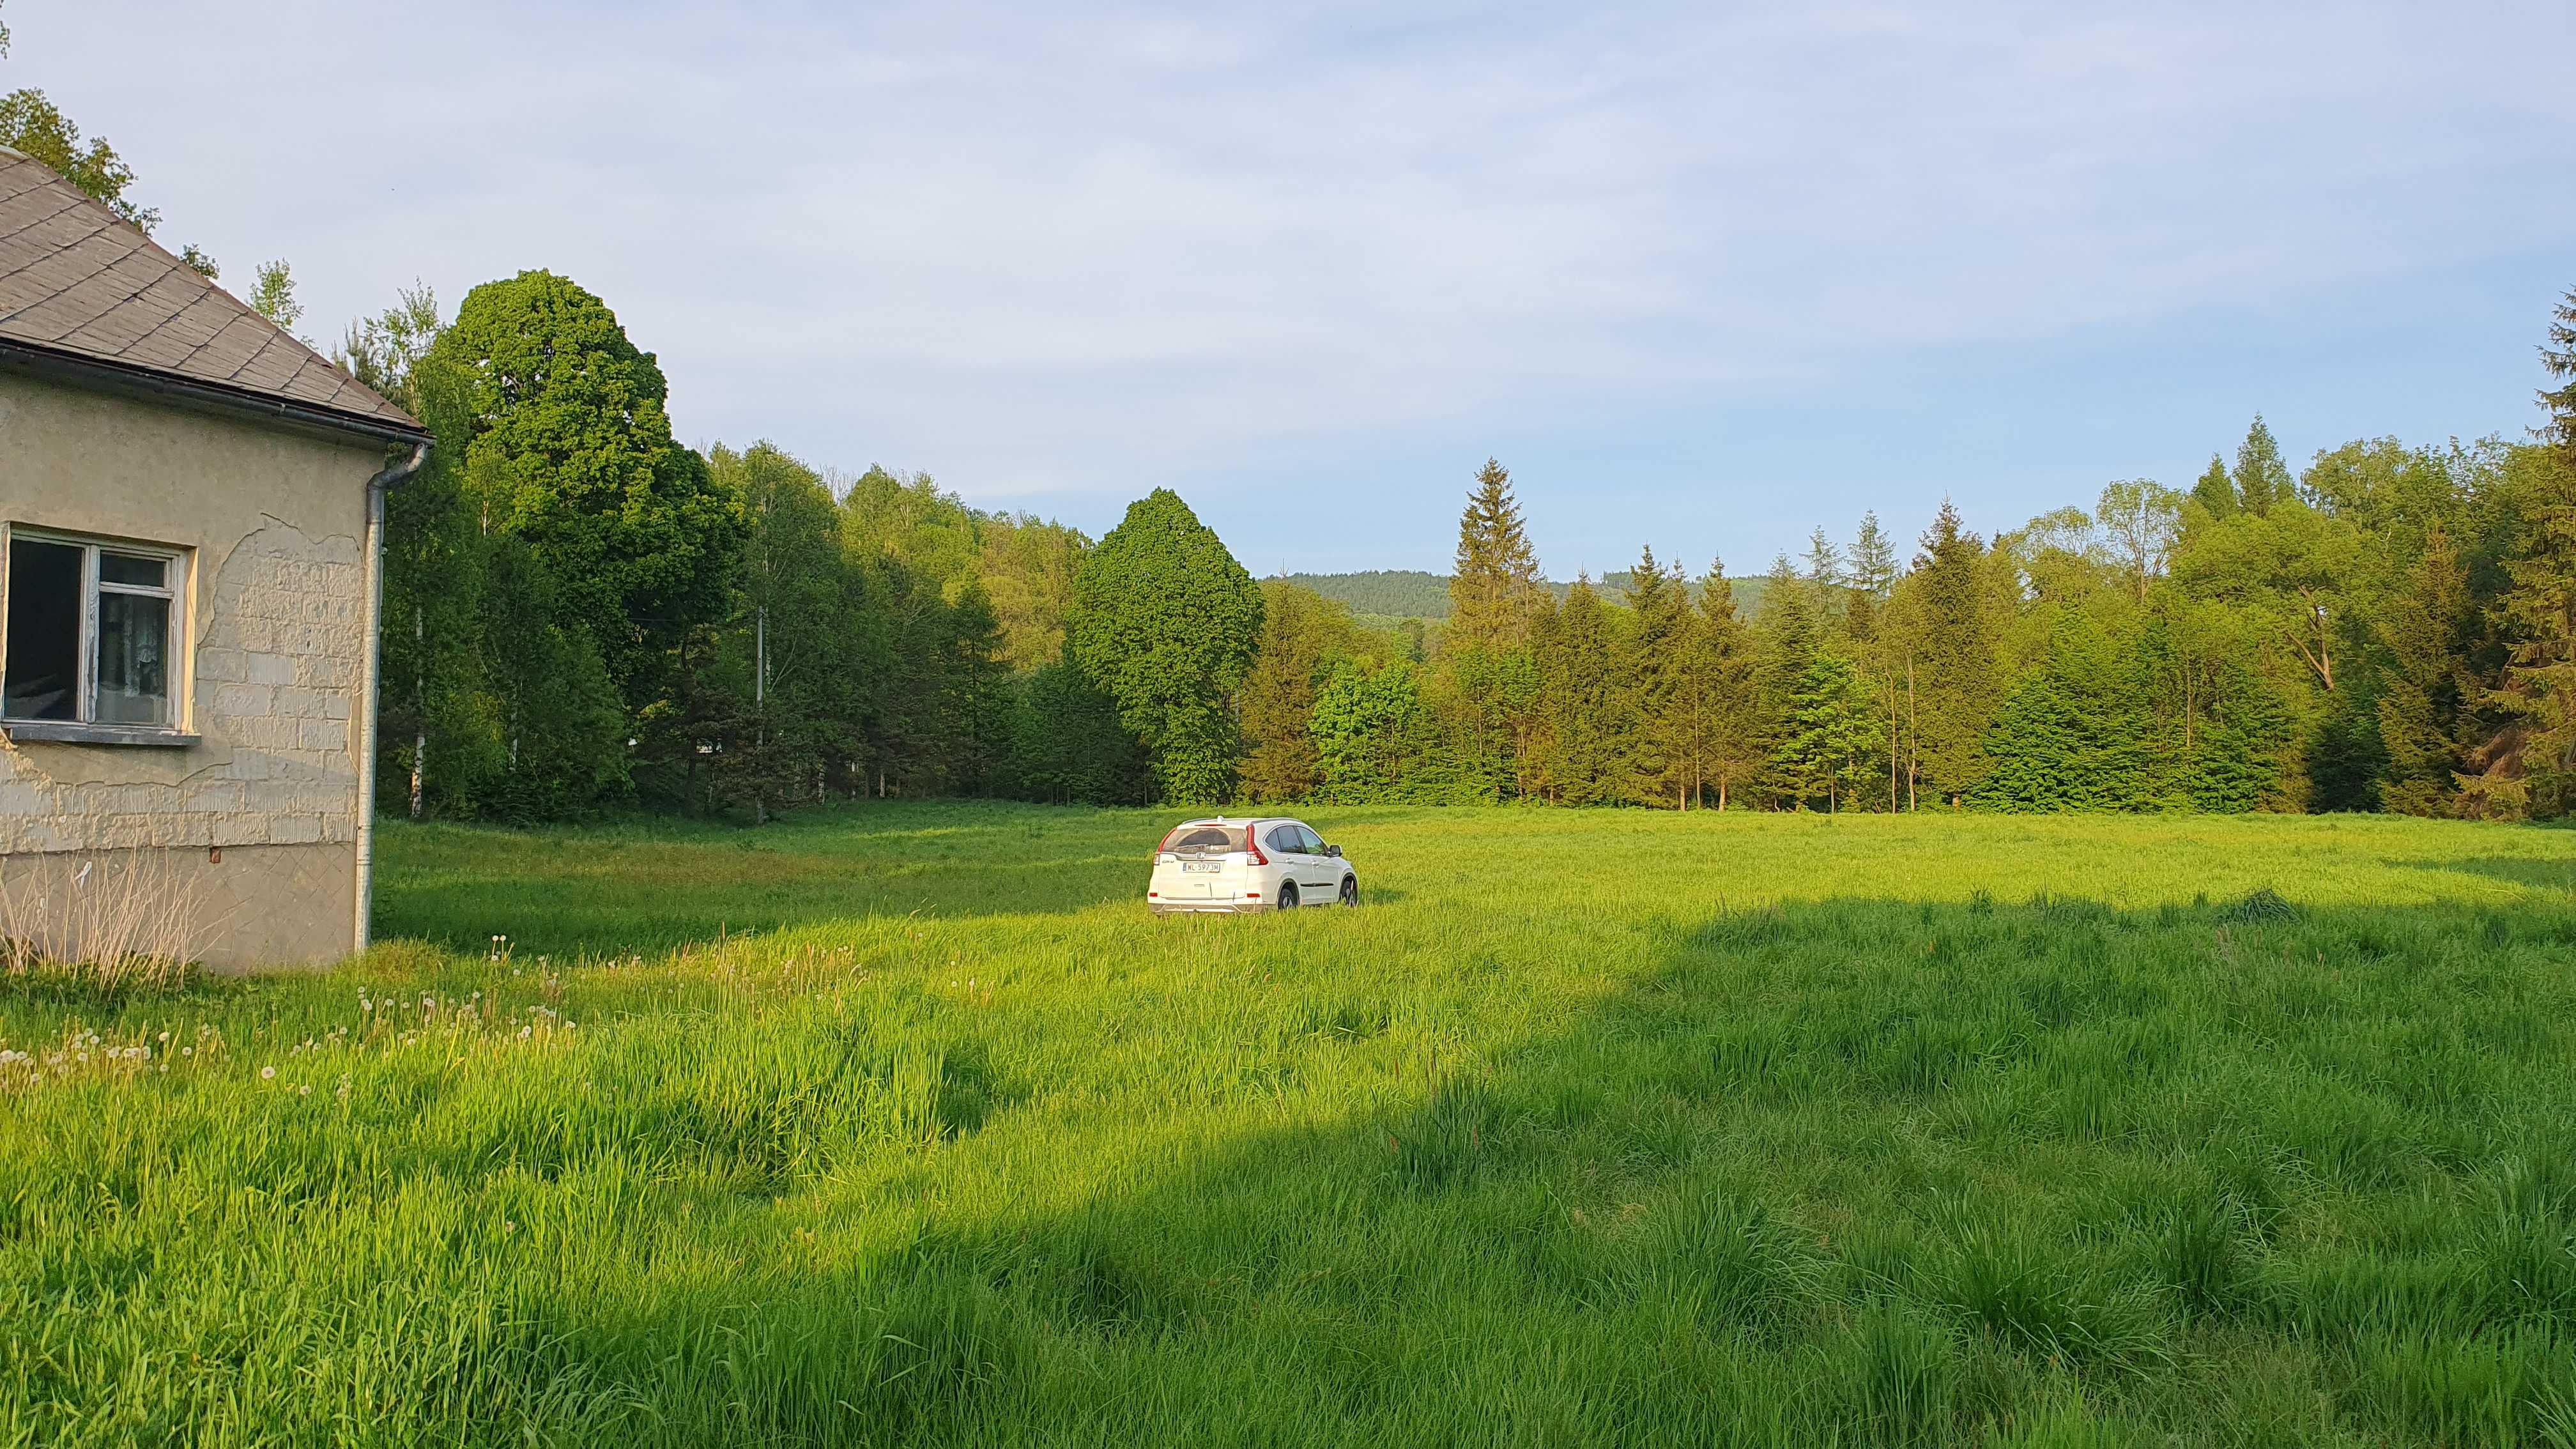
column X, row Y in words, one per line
column 2557, row 875
column 650, row 888
column 1854, row 1171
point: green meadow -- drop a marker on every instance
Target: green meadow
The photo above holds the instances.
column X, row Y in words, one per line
column 908, row 1125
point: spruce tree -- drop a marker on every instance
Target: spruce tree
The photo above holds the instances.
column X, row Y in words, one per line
column 1827, row 753
column 2216, row 492
column 1871, row 575
column 2559, row 356
column 2424, row 630
column 2074, row 734
column 1660, row 647
column 1953, row 657
column 1590, row 710
column 2245, row 756
column 1786, row 648
column 2262, row 479
column 2540, row 608
column 1495, row 578
column 1823, row 575
column 1727, row 747
column 1488, row 684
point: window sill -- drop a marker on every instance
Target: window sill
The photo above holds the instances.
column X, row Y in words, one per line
column 20, row 731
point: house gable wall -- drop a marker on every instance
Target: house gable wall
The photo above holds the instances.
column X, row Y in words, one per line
column 276, row 652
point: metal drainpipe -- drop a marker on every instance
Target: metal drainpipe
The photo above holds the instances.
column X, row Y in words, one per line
column 393, row 475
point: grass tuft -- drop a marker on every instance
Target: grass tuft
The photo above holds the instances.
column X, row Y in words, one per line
column 2262, row 907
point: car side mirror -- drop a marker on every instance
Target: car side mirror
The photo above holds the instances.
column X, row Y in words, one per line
column 1334, row 851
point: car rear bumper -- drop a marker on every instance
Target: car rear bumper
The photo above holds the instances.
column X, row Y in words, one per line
column 1210, row 908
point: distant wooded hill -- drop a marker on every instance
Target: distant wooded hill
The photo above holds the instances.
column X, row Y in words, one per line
column 1419, row 594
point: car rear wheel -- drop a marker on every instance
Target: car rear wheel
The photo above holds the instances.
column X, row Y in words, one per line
column 1350, row 890
column 1288, row 896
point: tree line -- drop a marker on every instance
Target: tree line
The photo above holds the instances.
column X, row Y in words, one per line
column 582, row 613
column 2391, row 628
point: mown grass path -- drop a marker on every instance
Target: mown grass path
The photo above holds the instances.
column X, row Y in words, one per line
column 906, row 1125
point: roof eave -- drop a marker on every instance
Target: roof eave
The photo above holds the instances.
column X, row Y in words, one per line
column 154, row 385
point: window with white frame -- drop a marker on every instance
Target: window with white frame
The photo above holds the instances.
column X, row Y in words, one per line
column 92, row 631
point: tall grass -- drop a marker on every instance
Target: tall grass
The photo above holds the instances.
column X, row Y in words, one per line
column 113, row 919
column 908, row 1126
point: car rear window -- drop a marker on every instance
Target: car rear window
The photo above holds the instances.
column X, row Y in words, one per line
column 1208, row 839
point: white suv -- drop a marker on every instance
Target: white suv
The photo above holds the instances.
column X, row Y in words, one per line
column 1248, row 865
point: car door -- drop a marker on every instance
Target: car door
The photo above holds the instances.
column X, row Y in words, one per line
column 1321, row 876
column 1286, row 845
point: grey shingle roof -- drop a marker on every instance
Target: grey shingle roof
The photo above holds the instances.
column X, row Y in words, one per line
column 75, row 280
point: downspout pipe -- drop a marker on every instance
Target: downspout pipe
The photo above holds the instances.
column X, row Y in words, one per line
column 393, row 475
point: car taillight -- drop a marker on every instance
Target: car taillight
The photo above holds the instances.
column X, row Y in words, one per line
column 1252, row 848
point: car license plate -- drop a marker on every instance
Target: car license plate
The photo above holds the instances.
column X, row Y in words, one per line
column 1210, row 867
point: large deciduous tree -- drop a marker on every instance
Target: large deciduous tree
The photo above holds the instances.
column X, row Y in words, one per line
column 1166, row 622
column 558, row 422
column 2141, row 519
column 34, row 126
column 1372, row 736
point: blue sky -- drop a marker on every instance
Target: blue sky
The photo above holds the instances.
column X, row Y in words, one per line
column 1703, row 277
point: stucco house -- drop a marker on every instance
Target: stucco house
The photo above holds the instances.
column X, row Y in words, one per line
column 190, row 509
